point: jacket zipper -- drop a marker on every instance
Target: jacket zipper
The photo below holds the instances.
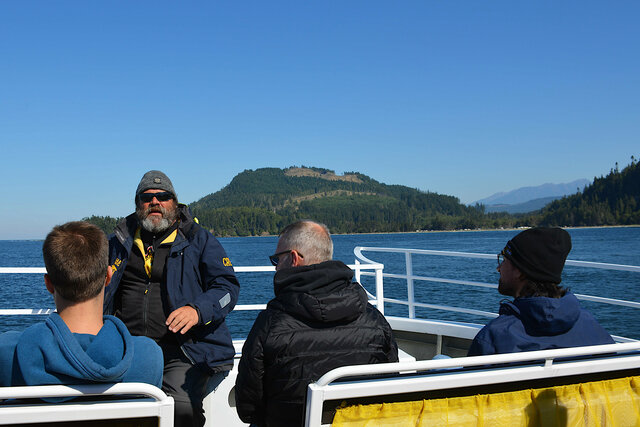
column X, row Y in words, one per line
column 187, row 355
column 181, row 254
column 145, row 308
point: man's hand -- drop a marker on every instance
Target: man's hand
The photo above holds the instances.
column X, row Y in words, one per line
column 182, row 319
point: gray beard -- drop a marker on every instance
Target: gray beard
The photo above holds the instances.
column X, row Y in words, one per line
column 157, row 227
column 168, row 218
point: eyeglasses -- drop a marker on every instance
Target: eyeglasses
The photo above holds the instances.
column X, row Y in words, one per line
column 501, row 259
column 275, row 258
column 162, row 197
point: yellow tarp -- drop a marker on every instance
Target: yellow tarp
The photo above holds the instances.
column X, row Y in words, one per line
column 599, row 403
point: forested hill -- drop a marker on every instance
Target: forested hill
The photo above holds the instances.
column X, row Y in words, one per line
column 610, row 200
column 262, row 201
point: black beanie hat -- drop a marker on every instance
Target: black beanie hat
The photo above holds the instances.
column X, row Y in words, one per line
column 155, row 180
column 540, row 253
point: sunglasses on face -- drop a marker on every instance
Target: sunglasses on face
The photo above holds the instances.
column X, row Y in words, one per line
column 275, row 258
column 162, row 197
column 501, row 259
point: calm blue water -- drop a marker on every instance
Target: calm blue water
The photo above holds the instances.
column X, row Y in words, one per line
column 613, row 245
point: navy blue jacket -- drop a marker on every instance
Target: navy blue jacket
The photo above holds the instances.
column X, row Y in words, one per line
column 539, row 323
column 48, row 353
column 199, row 274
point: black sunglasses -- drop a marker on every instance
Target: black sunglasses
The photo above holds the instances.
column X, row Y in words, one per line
column 275, row 258
column 501, row 258
column 162, row 197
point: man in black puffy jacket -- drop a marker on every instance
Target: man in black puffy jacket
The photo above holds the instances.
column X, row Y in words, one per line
column 319, row 320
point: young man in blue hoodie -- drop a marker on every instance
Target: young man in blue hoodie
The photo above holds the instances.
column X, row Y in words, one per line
column 77, row 344
column 542, row 315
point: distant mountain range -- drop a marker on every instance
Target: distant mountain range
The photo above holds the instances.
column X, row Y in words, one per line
column 529, row 199
column 528, row 206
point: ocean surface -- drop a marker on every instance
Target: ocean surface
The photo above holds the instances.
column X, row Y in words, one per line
column 610, row 245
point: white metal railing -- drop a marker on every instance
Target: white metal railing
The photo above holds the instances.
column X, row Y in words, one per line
column 364, row 266
column 377, row 300
column 442, row 374
column 410, row 277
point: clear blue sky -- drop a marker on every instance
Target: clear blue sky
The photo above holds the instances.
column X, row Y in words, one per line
column 465, row 98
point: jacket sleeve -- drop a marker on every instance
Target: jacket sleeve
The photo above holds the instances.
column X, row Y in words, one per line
column 218, row 281
column 391, row 346
column 250, row 399
column 481, row 344
column 9, row 367
column 117, row 262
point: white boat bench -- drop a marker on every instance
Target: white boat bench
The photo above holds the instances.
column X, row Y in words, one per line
column 445, row 378
column 122, row 404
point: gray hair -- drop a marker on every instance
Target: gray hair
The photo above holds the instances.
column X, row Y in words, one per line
column 310, row 238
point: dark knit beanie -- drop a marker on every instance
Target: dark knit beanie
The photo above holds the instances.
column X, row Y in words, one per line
column 540, row 253
column 155, row 180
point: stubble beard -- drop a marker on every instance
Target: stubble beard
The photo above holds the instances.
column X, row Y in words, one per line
column 500, row 287
column 157, row 225
column 504, row 288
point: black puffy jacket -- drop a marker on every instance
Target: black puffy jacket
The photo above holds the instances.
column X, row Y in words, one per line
column 319, row 320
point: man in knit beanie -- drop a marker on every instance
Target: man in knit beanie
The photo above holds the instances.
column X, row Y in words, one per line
column 173, row 282
column 543, row 315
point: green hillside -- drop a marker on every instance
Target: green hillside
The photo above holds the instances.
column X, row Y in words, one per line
column 262, row 201
column 610, row 200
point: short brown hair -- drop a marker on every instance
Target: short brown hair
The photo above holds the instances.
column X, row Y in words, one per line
column 76, row 255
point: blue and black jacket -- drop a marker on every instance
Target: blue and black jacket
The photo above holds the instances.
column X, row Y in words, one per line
column 198, row 274
column 539, row 323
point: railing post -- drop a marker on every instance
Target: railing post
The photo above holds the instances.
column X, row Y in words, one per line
column 380, row 289
column 410, row 298
column 357, row 271
column 313, row 409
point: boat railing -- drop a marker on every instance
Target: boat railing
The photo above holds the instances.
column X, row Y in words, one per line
column 373, row 268
column 411, row 278
column 402, row 378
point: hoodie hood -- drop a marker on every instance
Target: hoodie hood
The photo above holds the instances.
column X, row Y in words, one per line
column 70, row 358
column 320, row 292
column 545, row 316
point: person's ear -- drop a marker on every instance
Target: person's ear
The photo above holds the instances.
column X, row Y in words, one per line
column 48, row 284
column 296, row 259
column 107, row 280
column 521, row 275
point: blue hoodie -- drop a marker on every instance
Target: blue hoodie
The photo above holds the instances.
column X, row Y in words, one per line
column 539, row 323
column 48, row 353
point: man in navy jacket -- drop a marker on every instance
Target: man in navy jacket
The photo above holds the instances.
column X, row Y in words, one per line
column 173, row 282
column 543, row 315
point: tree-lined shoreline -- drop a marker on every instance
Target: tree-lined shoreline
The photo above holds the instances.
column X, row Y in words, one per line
column 261, row 202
